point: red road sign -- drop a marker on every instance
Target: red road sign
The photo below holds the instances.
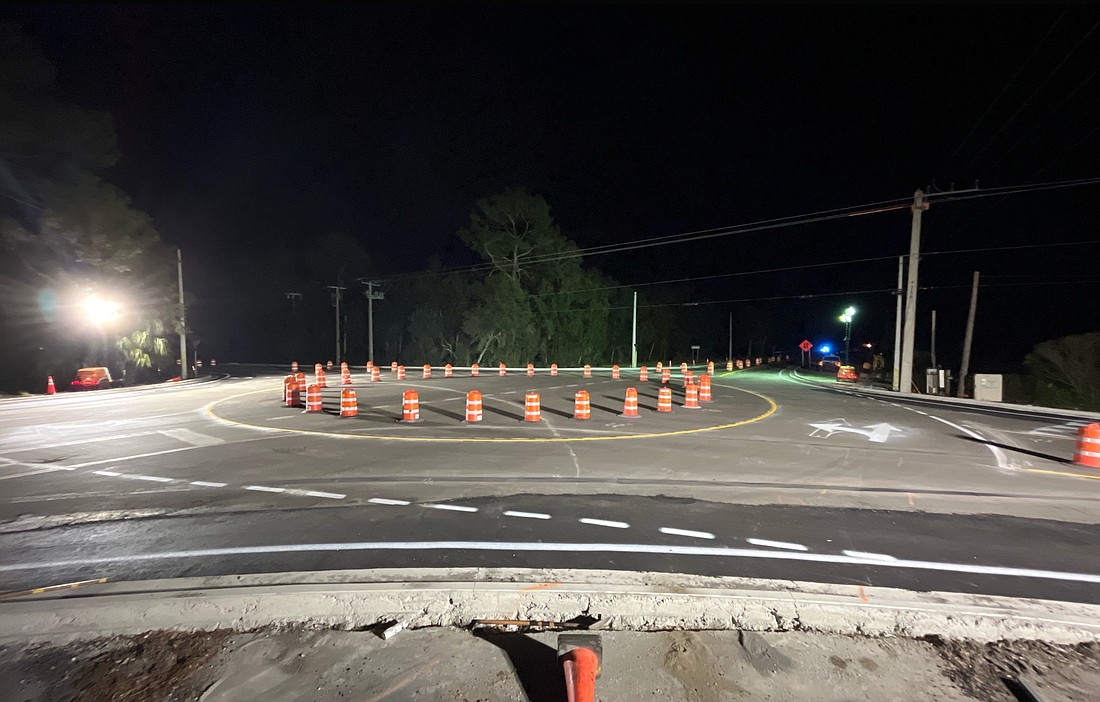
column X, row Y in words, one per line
column 805, row 345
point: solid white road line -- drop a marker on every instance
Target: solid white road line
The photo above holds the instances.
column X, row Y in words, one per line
column 81, row 442
column 870, row 556
column 528, row 515
column 559, row 547
column 1000, row 456
column 777, row 544
column 203, row 483
column 119, row 459
column 604, row 523
column 452, row 508
column 387, row 501
column 686, row 532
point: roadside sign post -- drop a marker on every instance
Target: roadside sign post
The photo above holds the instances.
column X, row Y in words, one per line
column 807, row 348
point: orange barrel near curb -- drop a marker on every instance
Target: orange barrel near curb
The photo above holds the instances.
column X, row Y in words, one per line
column 427, row 371
column 393, row 366
column 688, row 378
column 502, row 371
column 532, row 407
column 554, row 369
column 630, row 404
column 683, row 368
column 587, row 371
column 313, row 398
column 643, row 374
column 370, row 364
column 448, row 370
column 410, row 406
column 322, row 378
column 691, row 396
column 664, row 398
column 317, row 368
column 290, row 391
column 475, row 370
column 345, row 374
column 293, row 366
column 474, row 408
column 615, row 372
column 582, row 405
column 666, row 375
column 710, row 367
column 530, row 369
column 301, row 380
column 1087, row 451
column 349, row 405
column 375, row 374
column 704, row 389
column 401, row 372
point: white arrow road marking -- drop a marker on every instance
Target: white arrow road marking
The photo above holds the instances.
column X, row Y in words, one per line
column 876, row 433
column 192, row 437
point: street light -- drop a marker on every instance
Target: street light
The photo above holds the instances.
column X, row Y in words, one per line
column 847, row 317
column 101, row 311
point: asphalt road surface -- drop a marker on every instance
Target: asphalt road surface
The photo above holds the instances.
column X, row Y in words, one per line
column 783, row 476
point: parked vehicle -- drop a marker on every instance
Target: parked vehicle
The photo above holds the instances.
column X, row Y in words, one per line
column 94, row 378
column 847, row 373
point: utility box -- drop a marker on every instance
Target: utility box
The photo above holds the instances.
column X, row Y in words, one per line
column 987, row 387
column 937, row 381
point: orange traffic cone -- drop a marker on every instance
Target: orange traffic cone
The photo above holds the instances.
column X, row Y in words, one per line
column 630, row 404
column 582, row 405
column 1087, row 451
column 51, row 389
column 691, row 397
column 474, row 409
column 615, row 372
column 349, row 406
column 643, row 375
column 532, row 408
column 704, row 389
column 475, row 370
column 313, row 398
column 410, row 406
column 664, row 398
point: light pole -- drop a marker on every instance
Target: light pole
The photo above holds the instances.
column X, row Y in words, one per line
column 847, row 317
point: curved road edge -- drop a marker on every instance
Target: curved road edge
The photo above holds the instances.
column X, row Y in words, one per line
column 637, row 601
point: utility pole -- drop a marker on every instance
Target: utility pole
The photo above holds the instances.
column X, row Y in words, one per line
column 634, row 335
column 969, row 336
column 337, row 293
column 897, row 323
column 909, row 333
column 729, row 353
column 934, row 364
column 183, row 318
column 372, row 295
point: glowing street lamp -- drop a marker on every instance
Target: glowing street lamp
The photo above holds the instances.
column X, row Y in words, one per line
column 847, row 317
column 100, row 311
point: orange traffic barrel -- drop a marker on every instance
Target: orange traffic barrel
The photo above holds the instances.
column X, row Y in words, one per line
column 530, row 369
column 393, row 366
column 410, row 406
column 448, row 370
column 587, row 371
column 349, row 406
column 475, row 370
column 375, row 374
column 474, row 409
column 704, row 389
column 691, row 396
column 532, row 408
column 328, row 366
column 688, row 376
column 553, row 369
column 582, row 405
column 740, row 364
column 683, row 368
column 502, row 370
column 290, row 391
column 322, row 378
column 345, row 375
column 664, row 398
column 759, row 360
column 1087, row 451
column 643, row 374
column 370, row 364
column 615, row 372
column 301, row 379
column 313, row 398
column 710, row 367
column 729, row 366
column 317, row 368
column 293, row 366
column 427, row 371
column 660, row 366
column 401, row 372
column 666, row 375
column 630, row 404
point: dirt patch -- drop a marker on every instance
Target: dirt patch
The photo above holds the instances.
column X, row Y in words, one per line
column 982, row 669
column 152, row 666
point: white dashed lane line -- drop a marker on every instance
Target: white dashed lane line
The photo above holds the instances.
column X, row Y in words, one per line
column 604, row 523
column 527, row 515
column 452, row 508
column 150, row 478
column 204, row 483
column 387, row 501
column 106, row 473
column 263, row 488
column 869, row 556
column 686, row 532
column 777, row 544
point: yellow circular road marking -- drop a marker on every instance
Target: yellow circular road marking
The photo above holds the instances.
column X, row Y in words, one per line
column 1058, row 472
column 772, row 408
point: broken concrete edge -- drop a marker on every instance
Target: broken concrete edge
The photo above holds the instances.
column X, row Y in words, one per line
column 636, row 601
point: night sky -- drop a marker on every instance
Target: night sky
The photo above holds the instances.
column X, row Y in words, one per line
column 249, row 130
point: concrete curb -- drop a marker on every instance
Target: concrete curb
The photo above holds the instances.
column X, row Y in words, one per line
column 454, row 597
